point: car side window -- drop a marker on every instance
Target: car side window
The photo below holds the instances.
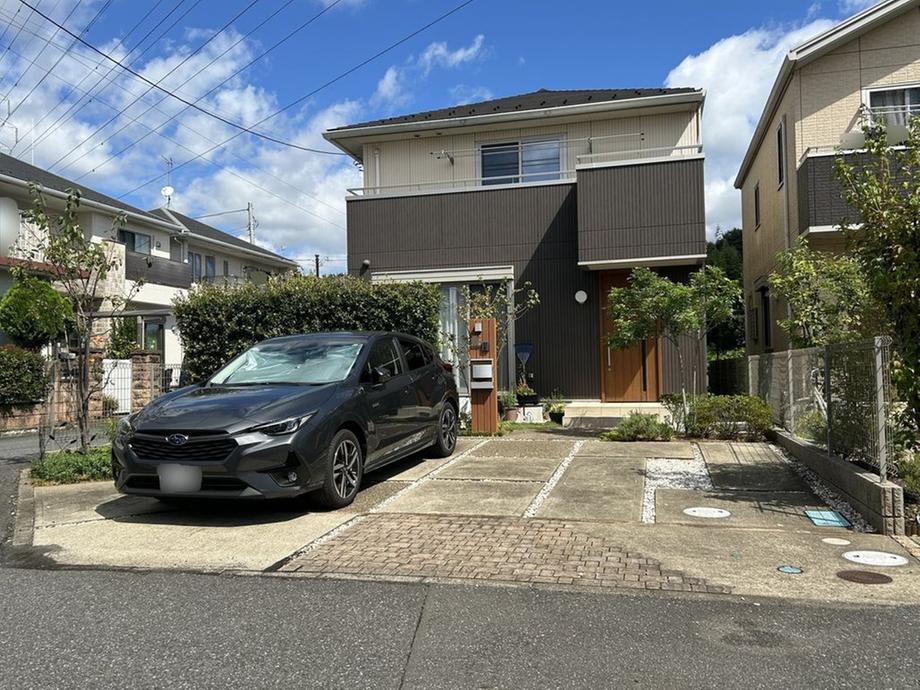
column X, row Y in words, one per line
column 384, row 355
column 416, row 357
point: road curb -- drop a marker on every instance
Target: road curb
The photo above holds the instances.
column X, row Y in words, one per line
column 24, row 518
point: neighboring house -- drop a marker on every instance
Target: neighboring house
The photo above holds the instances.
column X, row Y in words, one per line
column 568, row 190
column 164, row 250
column 865, row 69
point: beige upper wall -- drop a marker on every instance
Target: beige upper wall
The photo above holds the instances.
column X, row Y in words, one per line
column 411, row 160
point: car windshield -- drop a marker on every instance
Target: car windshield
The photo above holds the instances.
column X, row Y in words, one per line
column 295, row 362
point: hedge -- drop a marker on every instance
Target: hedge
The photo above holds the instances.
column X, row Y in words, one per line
column 217, row 322
column 33, row 314
column 23, row 379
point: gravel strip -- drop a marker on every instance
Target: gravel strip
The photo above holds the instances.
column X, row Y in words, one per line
column 823, row 491
column 540, row 498
column 673, row 473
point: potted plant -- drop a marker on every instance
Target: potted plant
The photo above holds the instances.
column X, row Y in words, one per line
column 527, row 396
column 509, row 403
column 555, row 407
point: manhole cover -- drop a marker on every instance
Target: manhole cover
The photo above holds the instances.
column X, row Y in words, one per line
column 864, row 577
column 702, row 512
column 836, row 541
column 875, row 558
column 790, row 570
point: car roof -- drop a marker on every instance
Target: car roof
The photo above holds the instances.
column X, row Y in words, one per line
column 349, row 335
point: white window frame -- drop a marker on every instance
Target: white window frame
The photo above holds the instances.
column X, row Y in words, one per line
column 867, row 92
column 520, row 141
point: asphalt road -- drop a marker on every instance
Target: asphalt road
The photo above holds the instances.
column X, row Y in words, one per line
column 68, row 629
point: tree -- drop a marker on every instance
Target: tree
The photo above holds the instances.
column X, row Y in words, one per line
column 828, row 296
column 79, row 266
column 726, row 252
column 883, row 187
column 652, row 305
column 123, row 340
column 33, row 314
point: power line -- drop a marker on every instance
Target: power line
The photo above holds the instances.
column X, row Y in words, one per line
column 207, row 93
column 73, row 87
column 204, row 111
column 290, row 105
column 158, row 82
column 229, row 170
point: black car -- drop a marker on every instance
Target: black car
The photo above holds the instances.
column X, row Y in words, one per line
column 292, row 415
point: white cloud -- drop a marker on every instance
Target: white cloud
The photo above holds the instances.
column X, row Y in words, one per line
column 854, row 6
column 463, row 93
column 393, row 88
column 737, row 73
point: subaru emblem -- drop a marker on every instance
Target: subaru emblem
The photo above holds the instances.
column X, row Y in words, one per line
column 177, row 439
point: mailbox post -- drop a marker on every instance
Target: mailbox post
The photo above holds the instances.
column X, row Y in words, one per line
column 483, row 372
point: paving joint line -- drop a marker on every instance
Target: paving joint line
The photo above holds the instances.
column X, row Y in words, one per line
column 542, row 495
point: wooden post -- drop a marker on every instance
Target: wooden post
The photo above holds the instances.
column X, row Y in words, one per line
column 483, row 401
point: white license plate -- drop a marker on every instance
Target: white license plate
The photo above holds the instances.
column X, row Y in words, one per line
column 179, row 479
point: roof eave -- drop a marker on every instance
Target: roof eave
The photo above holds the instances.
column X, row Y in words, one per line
column 338, row 136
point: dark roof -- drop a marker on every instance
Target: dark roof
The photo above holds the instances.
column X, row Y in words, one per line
column 9, row 165
column 544, row 98
column 199, row 228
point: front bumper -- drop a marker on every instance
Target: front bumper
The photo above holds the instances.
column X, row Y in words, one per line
column 256, row 466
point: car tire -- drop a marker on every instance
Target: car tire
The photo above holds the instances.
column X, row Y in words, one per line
column 344, row 470
column 448, row 427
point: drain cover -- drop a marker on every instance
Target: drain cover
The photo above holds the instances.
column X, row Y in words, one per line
column 864, row 577
column 875, row 558
column 790, row 570
column 836, row 541
column 702, row 512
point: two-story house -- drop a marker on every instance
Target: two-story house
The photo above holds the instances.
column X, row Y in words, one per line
column 566, row 190
column 165, row 252
column 865, row 69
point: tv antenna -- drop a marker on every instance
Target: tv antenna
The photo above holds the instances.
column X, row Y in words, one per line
column 168, row 190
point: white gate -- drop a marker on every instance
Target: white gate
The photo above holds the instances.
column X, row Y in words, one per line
column 116, row 383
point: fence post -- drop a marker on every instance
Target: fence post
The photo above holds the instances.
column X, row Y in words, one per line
column 827, row 396
column 880, row 411
column 790, row 382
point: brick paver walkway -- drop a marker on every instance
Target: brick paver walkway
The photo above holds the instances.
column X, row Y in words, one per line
column 508, row 549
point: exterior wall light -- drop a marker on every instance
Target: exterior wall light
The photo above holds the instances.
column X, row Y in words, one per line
column 581, row 296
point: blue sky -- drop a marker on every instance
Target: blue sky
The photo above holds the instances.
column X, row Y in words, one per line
column 489, row 48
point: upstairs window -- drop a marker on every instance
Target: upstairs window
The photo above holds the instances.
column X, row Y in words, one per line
column 533, row 160
column 136, row 242
column 895, row 106
column 757, row 205
column 781, row 155
column 209, row 267
column 194, row 258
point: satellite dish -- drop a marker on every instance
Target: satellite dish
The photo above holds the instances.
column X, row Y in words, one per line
column 167, row 192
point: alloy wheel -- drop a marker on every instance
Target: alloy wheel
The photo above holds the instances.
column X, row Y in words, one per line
column 346, row 464
column 448, row 427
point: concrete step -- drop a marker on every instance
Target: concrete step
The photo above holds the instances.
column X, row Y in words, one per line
column 600, row 416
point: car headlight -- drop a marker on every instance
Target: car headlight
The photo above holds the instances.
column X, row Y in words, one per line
column 285, row 426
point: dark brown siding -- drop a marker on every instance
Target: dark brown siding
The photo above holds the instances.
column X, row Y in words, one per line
column 820, row 199
column 638, row 211
column 155, row 269
column 532, row 228
column 670, row 362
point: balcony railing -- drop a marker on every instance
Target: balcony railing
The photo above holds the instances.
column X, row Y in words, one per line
column 588, row 158
column 893, row 115
column 157, row 270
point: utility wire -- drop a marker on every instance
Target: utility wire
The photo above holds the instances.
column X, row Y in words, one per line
column 231, row 153
column 209, row 91
column 204, row 111
column 66, row 95
column 157, row 84
column 290, row 105
column 40, row 51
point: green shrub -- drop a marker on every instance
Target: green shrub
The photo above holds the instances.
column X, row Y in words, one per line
column 67, row 467
column 33, row 314
column 23, row 378
column 217, row 322
column 639, row 427
column 909, row 471
column 123, row 340
column 812, row 426
column 729, row 417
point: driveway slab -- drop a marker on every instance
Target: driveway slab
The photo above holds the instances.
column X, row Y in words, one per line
column 535, row 448
column 748, row 509
column 598, row 489
column 70, row 504
column 648, row 449
column 466, row 497
column 520, row 469
column 748, row 467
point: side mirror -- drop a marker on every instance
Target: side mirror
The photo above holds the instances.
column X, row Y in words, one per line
column 380, row 375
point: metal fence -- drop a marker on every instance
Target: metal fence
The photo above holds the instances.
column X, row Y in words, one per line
column 838, row 397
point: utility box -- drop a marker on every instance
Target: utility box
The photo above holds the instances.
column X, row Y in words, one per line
column 481, row 376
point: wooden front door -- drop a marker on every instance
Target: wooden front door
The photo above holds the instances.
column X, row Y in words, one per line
column 629, row 375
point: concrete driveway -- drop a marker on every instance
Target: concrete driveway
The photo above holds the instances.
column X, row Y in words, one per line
column 530, row 509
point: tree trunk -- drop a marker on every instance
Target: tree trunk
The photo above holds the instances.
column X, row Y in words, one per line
column 84, row 391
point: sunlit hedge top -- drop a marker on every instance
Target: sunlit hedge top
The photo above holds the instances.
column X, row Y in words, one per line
column 218, row 322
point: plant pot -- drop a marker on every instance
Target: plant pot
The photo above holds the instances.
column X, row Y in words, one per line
column 511, row 414
column 528, row 400
column 556, row 417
